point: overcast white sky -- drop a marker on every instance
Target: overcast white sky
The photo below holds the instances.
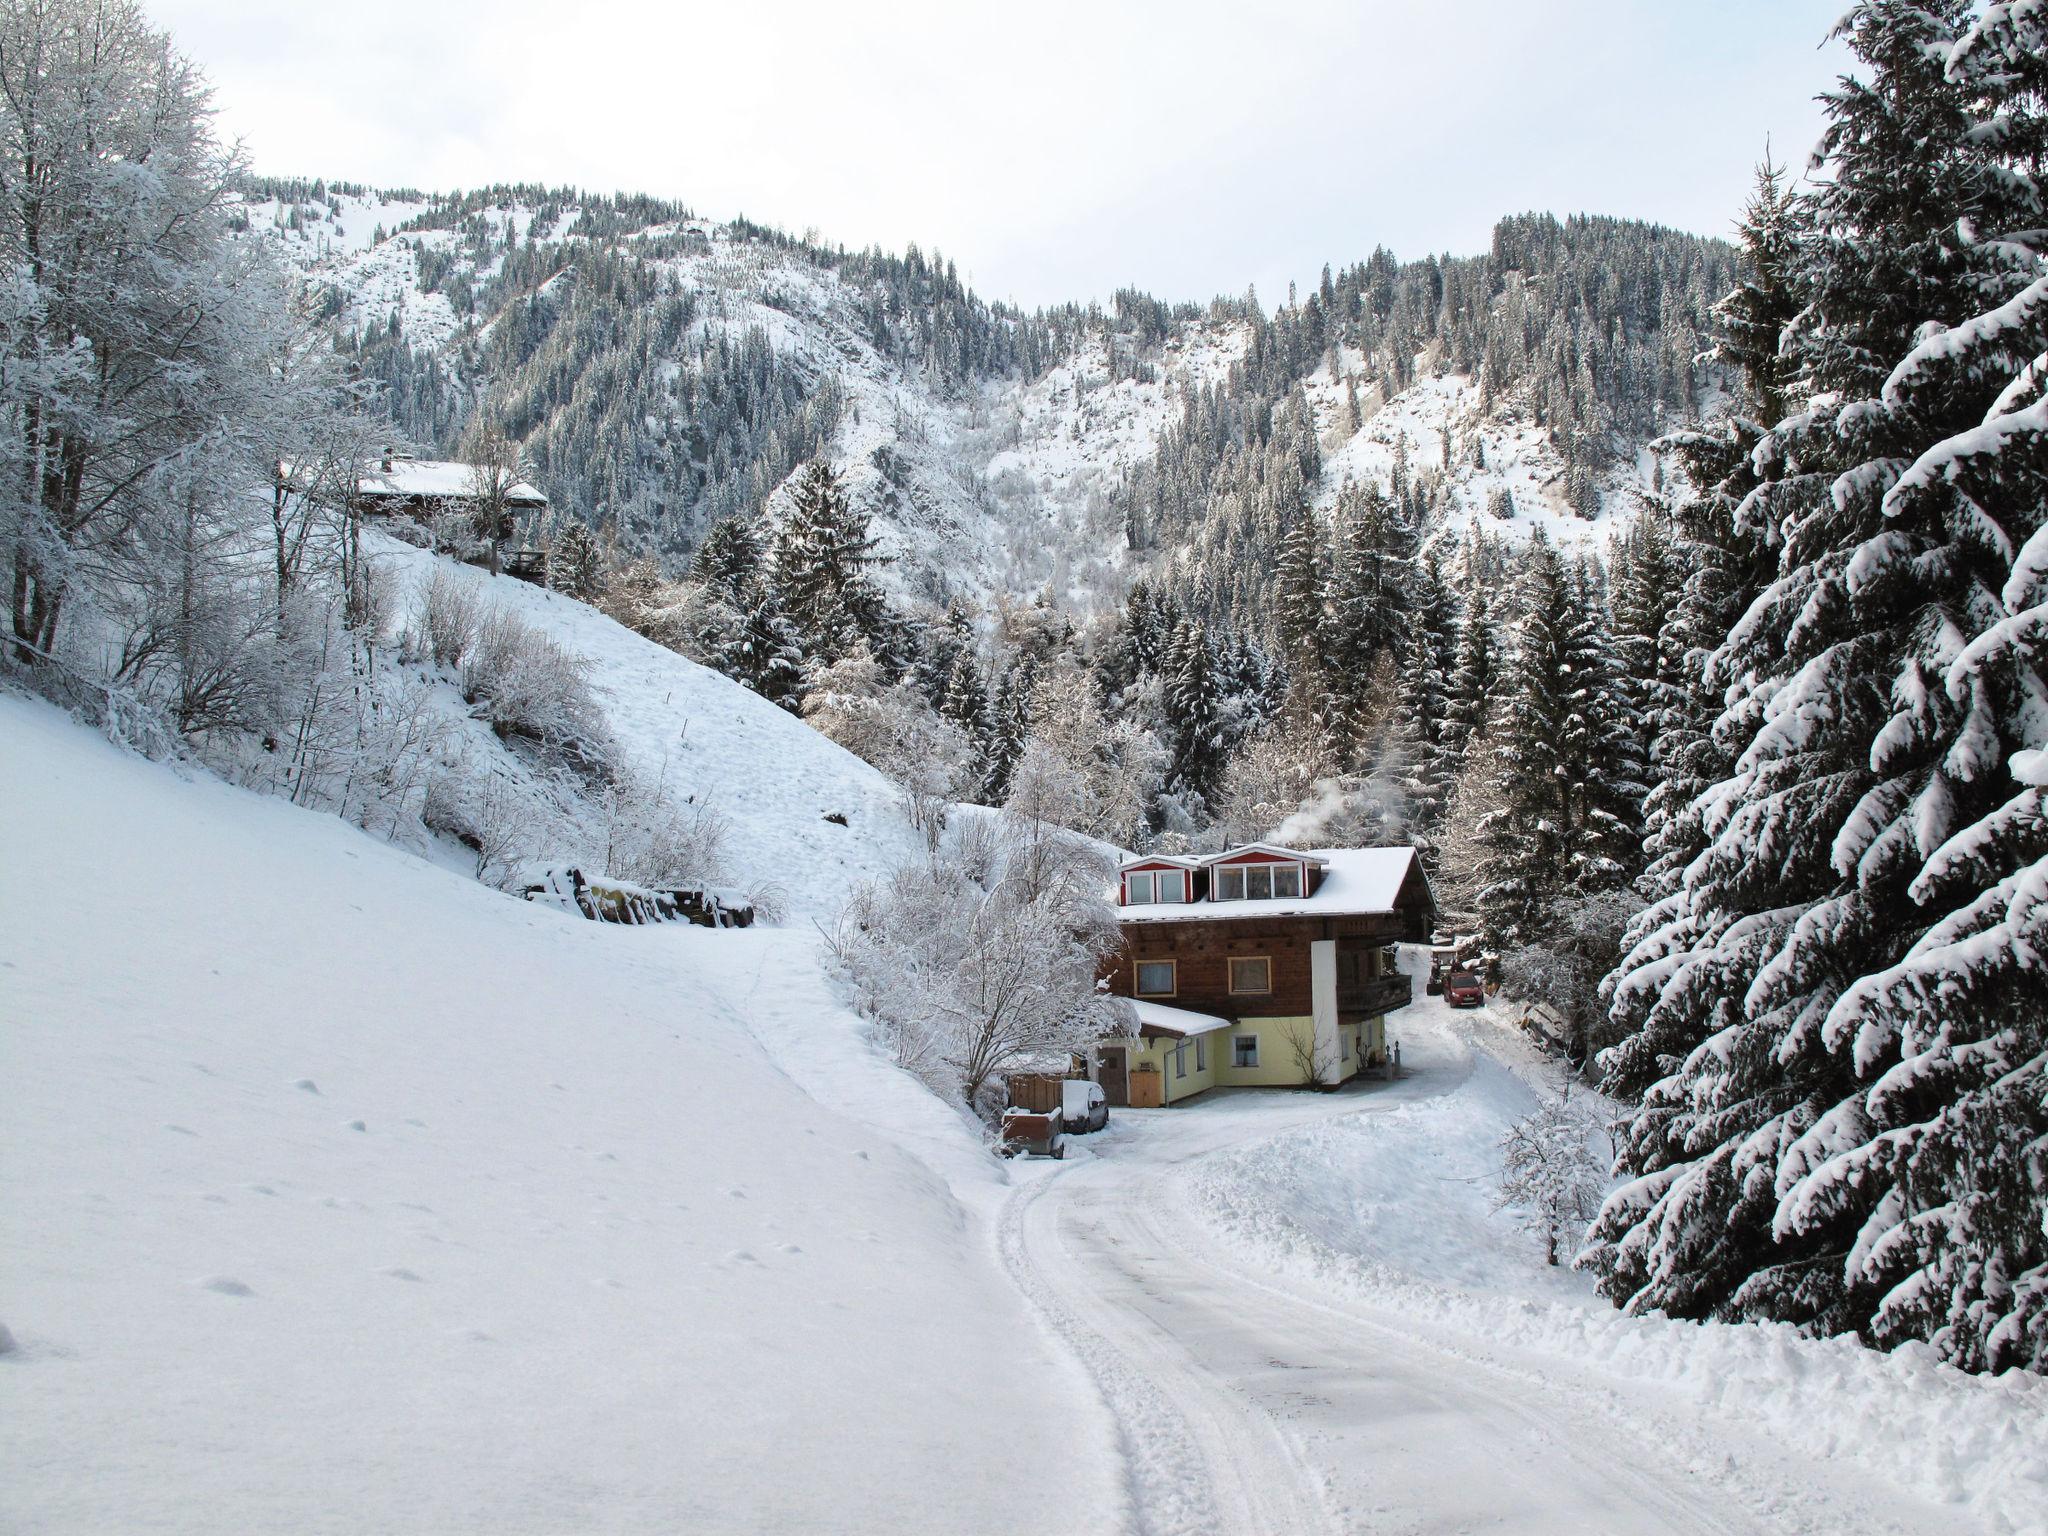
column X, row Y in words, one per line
column 1058, row 149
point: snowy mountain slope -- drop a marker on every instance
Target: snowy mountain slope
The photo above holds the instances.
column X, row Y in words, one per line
column 1438, row 423
column 979, row 484
column 707, row 740
column 345, row 1194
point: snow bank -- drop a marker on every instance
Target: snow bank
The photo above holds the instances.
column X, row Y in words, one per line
column 346, row 1194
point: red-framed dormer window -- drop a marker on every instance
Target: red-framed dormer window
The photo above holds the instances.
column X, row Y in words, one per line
column 1143, row 887
column 1255, row 882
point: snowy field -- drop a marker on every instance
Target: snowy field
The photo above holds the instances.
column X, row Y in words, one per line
column 343, row 1194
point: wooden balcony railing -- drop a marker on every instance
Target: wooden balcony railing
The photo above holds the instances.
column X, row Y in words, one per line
column 1382, row 994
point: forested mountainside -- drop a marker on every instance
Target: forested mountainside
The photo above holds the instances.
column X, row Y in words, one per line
column 664, row 372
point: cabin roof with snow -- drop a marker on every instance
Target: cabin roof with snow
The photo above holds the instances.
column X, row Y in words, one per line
column 397, row 479
column 1303, row 882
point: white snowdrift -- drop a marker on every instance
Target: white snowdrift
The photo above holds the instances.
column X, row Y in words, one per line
column 343, row 1194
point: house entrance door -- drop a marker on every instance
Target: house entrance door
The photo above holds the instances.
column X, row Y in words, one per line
column 1113, row 1074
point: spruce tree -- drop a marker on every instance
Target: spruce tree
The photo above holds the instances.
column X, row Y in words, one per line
column 1840, row 1023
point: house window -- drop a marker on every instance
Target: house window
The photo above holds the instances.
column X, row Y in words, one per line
column 1201, row 1053
column 1251, row 973
column 1171, row 888
column 1244, row 1050
column 1258, row 883
column 1180, row 1060
column 1137, row 890
column 1229, row 885
column 1155, row 978
column 1287, row 880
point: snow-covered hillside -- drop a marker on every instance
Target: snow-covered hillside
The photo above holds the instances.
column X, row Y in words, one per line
column 344, row 1194
column 978, row 484
column 707, row 741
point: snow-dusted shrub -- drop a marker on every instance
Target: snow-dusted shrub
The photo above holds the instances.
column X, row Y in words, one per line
column 1563, row 973
column 964, row 975
column 446, row 617
column 652, row 838
column 1549, row 1176
column 527, row 685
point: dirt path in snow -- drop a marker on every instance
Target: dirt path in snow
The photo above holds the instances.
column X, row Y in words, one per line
column 1252, row 1405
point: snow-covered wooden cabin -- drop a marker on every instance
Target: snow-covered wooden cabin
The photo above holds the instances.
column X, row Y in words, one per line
column 399, row 485
column 1259, row 966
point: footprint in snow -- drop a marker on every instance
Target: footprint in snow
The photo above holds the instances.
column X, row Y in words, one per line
column 7, row 1344
column 357, row 1125
column 181, row 1130
column 307, row 1085
column 741, row 1256
column 402, row 1274
column 261, row 1189
column 737, row 1194
column 226, row 1285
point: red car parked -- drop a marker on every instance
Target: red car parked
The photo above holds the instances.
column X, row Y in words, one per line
column 1465, row 990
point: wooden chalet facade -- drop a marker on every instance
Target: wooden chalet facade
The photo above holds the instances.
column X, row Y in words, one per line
column 1260, row 966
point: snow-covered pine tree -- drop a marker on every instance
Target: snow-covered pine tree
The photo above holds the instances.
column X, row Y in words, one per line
column 821, row 559
column 1649, row 645
column 1849, row 977
column 576, row 562
column 1558, row 829
column 1425, row 694
column 1474, row 676
column 1194, row 715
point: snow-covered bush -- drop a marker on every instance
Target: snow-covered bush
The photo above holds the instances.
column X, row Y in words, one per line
column 1549, row 1176
column 527, row 685
column 655, row 840
column 1563, row 972
column 445, row 620
column 986, row 955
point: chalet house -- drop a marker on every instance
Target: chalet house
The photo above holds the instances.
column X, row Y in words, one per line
column 1259, row 966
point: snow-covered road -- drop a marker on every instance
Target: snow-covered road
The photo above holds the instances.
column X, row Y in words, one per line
column 1251, row 1399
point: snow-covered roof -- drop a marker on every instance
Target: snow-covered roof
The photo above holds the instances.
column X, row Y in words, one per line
column 1158, row 1019
column 1355, row 881
column 1271, row 850
column 434, row 477
column 1176, row 860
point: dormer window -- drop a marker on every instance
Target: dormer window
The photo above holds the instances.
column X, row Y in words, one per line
column 1142, row 888
column 1256, row 882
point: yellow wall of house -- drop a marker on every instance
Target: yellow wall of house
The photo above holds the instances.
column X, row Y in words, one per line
column 1280, row 1045
column 1176, row 1085
column 1279, row 1060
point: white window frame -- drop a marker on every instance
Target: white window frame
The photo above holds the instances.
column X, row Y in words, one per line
column 1294, row 873
column 1180, row 1061
column 1201, row 1053
column 1131, row 888
column 1238, row 1053
column 1221, row 883
column 1172, row 880
column 1251, row 884
column 1138, row 978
